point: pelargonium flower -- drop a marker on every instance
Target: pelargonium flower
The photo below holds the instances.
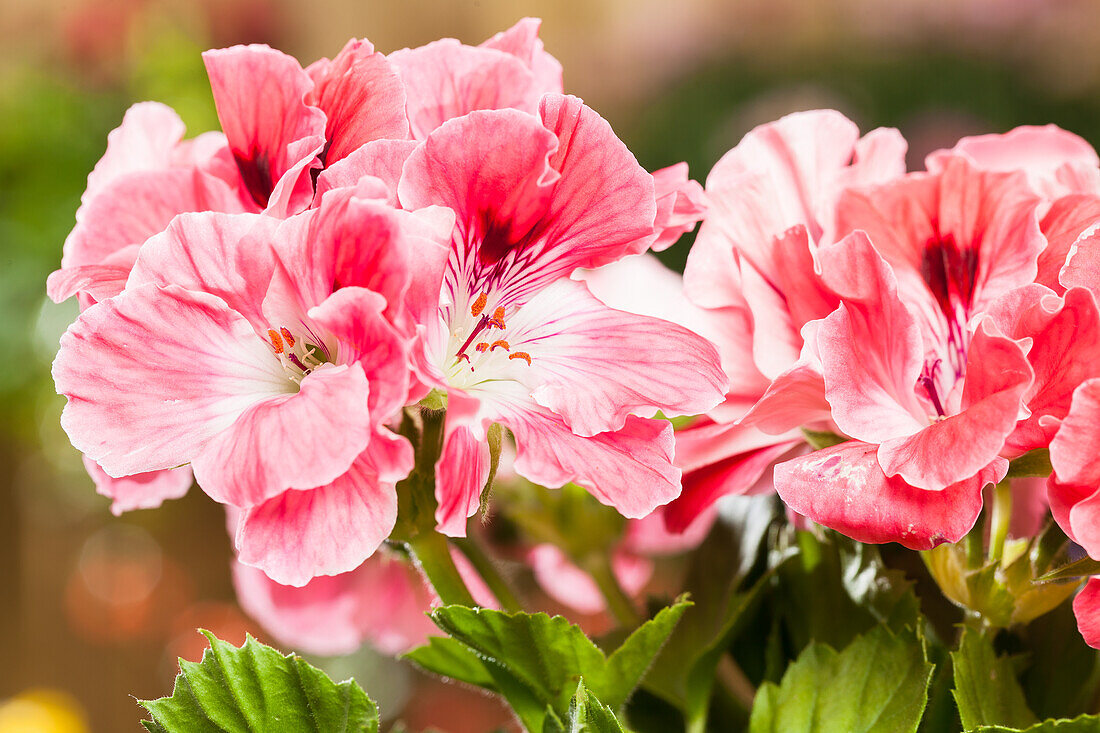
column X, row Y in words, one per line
column 268, row 355
column 515, row 341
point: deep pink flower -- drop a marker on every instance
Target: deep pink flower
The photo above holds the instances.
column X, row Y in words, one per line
column 269, row 355
column 516, row 341
column 1086, row 606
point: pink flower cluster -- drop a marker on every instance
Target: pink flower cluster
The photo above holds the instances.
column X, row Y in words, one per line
column 933, row 326
column 261, row 305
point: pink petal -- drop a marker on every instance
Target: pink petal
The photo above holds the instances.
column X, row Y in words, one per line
column 955, row 447
column 570, row 586
column 226, row 255
column 362, row 98
column 871, row 349
column 1086, row 607
column 795, row 398
column 97, row 282
column 651, row 535
column 460, row 474
column 1083, row 262
column 446, row 79
column 1043, row 153
column 272, row 132
column 681, row 204
column 630, row 469
column 594, row 365
column 329, row 529
column 843, row 488
column 353, row 315
column 1074, row 499
column 146, row 139
column 1068, row 217
column 522, row 41
column 382, row 159
column 382, row 602
column 138, row 205
column 604, row 201
column 153, row 374
column 140, row 491
column 299, row 440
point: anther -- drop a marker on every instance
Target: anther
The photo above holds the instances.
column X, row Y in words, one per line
column 503, row 344
column 498, row 317
column 481, row 347
column 276, row 340
column 286, row 335
column 521, row 355
column 479, row 304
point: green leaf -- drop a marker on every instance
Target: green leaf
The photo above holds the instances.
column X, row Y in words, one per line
column 1062, row 677
column 535, row 660
column 684, row 672
column 1083, row 567
column 986, row 689
column 255, row 688
column 879, row 684
column 586, row 715
column 1080, row 724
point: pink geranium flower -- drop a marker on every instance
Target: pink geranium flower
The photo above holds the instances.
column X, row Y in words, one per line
column 516, row 341
column 269, row 355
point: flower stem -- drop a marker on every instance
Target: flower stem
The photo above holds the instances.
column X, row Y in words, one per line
column 489, row 572
column 433, row 557
column 598, row 565
column 999, row 520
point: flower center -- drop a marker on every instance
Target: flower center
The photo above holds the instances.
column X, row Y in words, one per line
column 298, row 357
column 486, row 342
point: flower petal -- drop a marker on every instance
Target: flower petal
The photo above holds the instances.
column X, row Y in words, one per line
column 1086, row 607
column 153, row 374
column 293, row 441
column 141, row 491
column 329, row 529
column 843, row 488
column 460, row 474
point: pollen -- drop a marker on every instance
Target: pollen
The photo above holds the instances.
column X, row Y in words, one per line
column 498, row 318
column 287, row 337
column 478, row 305
column 520, row 355
column 276, row 340
column 481, row 347
column 501, row 343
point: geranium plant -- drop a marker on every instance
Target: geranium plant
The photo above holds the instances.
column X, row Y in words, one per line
column 400, row 318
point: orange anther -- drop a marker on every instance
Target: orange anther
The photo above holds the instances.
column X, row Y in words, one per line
column 286, row 335
column 479, row 305
column 498, row 317
column 481, row 347
column 276, row 340
column 500, row 343
column 521, row 355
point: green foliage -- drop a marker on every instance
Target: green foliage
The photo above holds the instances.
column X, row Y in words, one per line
column 986, row 689
column 1062, row 677
column 684, row 673
column 255, row 688
column 586, row 714
column 535, row 661
column 879, row 683
column 1080, row 724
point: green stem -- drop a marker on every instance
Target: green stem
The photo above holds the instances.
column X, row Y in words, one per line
column 489, row 572
column 975, row 546
column 598, row 565
column 433, row 557
column 999, row 520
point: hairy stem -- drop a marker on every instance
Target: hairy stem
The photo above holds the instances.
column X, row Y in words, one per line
column 999, row 520
column 432, row 555
column 598, row 565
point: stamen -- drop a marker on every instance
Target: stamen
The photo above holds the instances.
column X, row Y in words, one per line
column 520, row 355
column 481, row 347
column 463, row 356
column 478, row 305
column 276, row 340
column 287, row 336
column 296, row 362
column 498, row 318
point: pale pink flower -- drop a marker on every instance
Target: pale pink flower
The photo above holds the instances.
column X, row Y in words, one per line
column 268, row 354
column 516, row 341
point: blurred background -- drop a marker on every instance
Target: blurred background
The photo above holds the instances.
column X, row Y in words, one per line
column 93, row 608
